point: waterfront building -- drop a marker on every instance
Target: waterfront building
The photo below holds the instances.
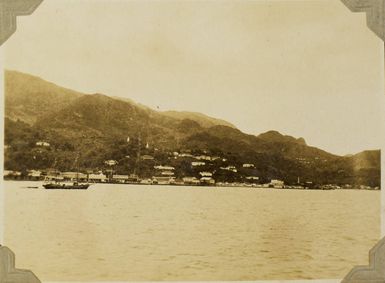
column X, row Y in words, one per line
column 190, row 181
column 207, row 181
column 163, row 180
column 278, row 184
column 35, row 174
column 252, row 178
column 97, row 178
column 120, row 178
column 73, row 176
column 146, row 181
column 9, row 174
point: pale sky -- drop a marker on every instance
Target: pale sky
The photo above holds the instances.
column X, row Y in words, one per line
column 310, row 69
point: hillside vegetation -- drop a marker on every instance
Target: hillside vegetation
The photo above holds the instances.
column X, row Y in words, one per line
column 97, row 126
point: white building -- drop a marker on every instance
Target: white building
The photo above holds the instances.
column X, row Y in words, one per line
column 120, row 178
column 34, row 173
column 73, row 176
column 191, row 180
column 42, row 143
column 278, row 184
column 248, row 165
column 167, row 173
column 185, row 155
column 161, row 167
column 203, row 157
column 198, row 163
column 162, row 180
column 230, row 168
column 206, row 174
column 111, row 162
column 147, row 157
column 97, row 177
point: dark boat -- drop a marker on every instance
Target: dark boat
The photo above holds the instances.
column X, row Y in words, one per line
column 66, row 186
column 55, row 182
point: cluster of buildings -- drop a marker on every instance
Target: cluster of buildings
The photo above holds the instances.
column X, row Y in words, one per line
column 203, row 173
column 163, row 175
column 166, row 176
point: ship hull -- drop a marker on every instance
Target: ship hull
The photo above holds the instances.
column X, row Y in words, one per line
column 66, row 187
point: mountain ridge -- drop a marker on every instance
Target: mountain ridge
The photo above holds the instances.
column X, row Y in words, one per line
column 98, row 125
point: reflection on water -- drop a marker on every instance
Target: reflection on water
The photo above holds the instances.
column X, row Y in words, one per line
column 128, row 232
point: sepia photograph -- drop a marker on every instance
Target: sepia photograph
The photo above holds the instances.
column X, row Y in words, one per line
column 192, row 140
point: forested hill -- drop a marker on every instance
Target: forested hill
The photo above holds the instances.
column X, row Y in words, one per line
column 97, row 126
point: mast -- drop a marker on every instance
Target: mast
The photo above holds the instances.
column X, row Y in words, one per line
column 77, row 168
column 138, row 154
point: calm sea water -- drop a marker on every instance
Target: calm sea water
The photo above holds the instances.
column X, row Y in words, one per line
column 128, row 232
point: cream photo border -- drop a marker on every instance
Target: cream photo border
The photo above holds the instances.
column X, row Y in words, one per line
column 374, row 272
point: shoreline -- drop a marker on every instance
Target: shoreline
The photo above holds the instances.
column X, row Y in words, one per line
column 238, row 186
